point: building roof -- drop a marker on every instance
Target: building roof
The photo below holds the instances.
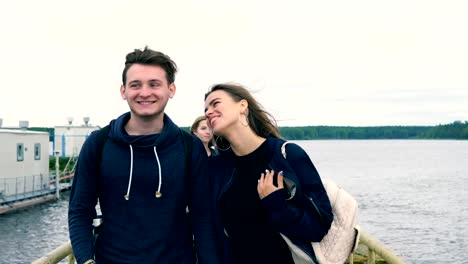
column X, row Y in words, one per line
column 22, row 131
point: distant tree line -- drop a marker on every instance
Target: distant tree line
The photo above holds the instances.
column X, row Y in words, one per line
column 455, row 130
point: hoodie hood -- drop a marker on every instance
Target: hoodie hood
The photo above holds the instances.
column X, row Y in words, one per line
column 167, row 136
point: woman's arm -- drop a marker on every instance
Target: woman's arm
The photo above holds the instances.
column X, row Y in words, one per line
column 298, row 217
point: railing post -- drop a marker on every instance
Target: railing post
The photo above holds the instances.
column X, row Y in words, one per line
column 371, row 259
column 33, row 184
column 16, row 189
column 57, row 175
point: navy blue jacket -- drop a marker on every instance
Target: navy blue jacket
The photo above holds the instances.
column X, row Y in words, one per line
column 144, row 228
column 290, row 214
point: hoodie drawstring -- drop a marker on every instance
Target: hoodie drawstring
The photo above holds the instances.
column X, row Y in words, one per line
column 158, row 193
column 127, row 196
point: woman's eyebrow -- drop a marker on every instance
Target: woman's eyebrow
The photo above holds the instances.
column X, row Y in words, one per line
column 211, row 102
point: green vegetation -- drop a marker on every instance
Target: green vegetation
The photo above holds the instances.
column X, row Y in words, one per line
column 455, row 130
column 62, row 163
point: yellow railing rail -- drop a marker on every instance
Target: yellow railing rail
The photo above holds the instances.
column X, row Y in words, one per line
column 374, row 246
column 57, row 255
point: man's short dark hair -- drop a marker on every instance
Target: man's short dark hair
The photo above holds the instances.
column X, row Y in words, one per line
column 150, row 57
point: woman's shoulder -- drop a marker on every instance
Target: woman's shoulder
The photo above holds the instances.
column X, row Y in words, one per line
column 220, row 157
column 285, row 148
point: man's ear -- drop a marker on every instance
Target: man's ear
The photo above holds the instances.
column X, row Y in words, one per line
column 122, row 92
column 172, row 90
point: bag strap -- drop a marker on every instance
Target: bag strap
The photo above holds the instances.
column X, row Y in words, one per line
column 283, row 152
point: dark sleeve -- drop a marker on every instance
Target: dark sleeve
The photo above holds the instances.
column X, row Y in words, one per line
column 83, row 200
column 298, row 217
column 200, row 209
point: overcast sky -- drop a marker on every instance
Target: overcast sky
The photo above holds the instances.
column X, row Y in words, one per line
column 354, row 63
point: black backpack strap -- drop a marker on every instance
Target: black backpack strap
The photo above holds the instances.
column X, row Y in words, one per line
column 188, row 146
column 102, row 135
column 101, row 140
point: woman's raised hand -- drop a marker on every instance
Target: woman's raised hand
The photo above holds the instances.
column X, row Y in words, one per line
column 265, row 183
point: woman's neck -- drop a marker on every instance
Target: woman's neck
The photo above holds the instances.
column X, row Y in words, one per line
column 245, row 143
column 208, row 150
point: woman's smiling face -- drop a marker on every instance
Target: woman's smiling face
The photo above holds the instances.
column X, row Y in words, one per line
column 222, row 112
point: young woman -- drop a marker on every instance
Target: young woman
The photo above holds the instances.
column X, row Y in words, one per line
column 251, row 204
column 203, row 132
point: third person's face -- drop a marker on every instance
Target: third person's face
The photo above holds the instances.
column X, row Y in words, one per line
column 204, row 132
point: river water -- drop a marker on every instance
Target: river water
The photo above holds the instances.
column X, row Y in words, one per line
column 412, row 196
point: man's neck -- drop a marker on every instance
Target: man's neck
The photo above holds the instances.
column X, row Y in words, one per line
column 137, row 126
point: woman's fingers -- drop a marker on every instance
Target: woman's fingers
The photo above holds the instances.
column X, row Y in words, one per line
column 265, row 184
column 269, row 177
column 260, row 182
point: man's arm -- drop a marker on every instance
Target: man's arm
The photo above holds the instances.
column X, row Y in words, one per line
column 83, row 199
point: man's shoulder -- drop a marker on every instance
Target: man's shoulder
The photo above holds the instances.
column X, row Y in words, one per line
column 98, row 135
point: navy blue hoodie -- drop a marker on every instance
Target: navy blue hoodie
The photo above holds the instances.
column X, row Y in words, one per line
column 137, row 226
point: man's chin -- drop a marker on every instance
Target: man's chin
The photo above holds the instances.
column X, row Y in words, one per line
column 148, row 115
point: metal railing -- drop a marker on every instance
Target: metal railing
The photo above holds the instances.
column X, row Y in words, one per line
column 23, row 187
column 375, row 249
column 24, row 191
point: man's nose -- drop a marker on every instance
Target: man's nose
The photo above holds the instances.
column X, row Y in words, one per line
column 145, row 90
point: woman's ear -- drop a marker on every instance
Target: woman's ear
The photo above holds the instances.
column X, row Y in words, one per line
column 244, row 106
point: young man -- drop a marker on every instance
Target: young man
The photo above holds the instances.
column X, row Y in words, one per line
column 139, row 177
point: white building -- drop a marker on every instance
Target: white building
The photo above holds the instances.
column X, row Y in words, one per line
column 24, row 162
column 69, row 139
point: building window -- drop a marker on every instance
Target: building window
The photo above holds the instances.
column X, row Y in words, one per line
column 19, row 152
column 37, row 151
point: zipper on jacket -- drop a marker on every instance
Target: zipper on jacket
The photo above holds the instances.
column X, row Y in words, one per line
column 228, row 184
column 223, row 190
